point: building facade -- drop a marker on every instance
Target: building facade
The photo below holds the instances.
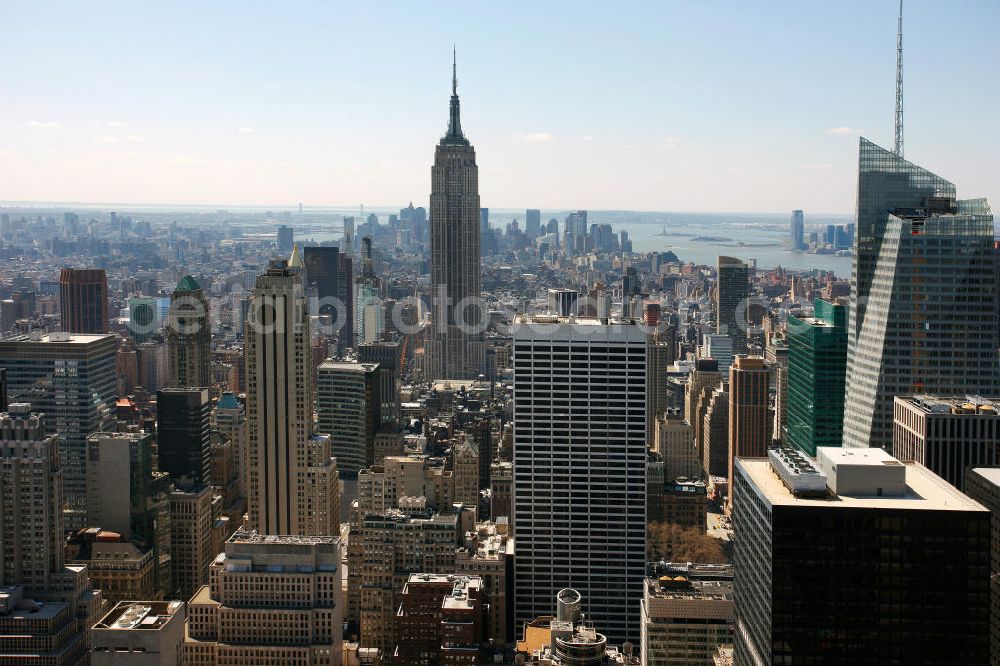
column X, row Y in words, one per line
column 183, row 424
column 348, row 406
column 83, row 300
column 189, row 336
column 456, row 348
column 580, row 394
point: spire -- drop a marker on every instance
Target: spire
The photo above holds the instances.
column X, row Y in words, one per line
column 898, row 147
column 295, row 260
column 454, row 121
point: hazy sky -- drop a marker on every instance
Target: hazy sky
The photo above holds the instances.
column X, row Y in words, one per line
column 682, row 106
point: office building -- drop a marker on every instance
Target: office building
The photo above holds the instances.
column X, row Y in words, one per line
column 190, row 537
column 923, row 295
column 715, row 434
column 948, row 435
column 75, row 404
column 983, row 485
column 465, row 463
column 731, row 292
column 533, row 222
column 139, row 633
column 411, row 539
column 704, row 375
column 488, row 553
column 270, row 600
column 441, row 620
column 189, row 336
column 749, row 422
column 293, row 486
column 872, row 537
column 390, row 359
column 3, row 390
column 120, row 487
column 229, row 418
column 687, row 613
column 720, row 347
column 684, row 502
column 562, row 302
column 83, row 300
column 661, row 356
column 45, row 606
column 348, row 405
column 142, row 319
column 330, row 273
column 675, row 442
column 119, row 569
column 183, row 423
column 817, row 370
column 286, row 238
column 580, row 393
column 797, row 242
column 456, row 348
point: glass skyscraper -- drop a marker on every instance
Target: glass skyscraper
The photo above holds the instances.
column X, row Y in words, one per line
column 817, row 365
column 923, row 295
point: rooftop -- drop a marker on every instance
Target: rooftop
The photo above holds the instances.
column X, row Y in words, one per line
column 924, row 490
column 139, row 615
column 968, row 404
column 991, row 474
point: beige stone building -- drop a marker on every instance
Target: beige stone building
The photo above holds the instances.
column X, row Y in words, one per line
column 687, row 613
column 465, row 463
column 489, row 554
column 190, row 537
column 270, row 600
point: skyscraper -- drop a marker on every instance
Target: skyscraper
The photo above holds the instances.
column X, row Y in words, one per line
column 817, row 367
column 75, row 403
column 293, row 486
column 925, row 263
column 348, row 406
column 797, row 242
column 843, row 562
column 83, row 300
column 286, row 237
column 331, row 273
column 533, row 222
column 189, row 335
column 731, row 292
column 456, row 350
column 182, row 434
column 580, row 467
column 749, row 420
column 229, row 418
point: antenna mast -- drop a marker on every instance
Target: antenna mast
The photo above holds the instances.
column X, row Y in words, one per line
column 898, row 149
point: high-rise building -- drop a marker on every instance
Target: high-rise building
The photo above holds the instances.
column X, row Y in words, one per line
column 983, row 485
column 562, row 302
column 797, row 242
column 83, row 300
column 687, row 613
column 189, row 336
column 270, row 600
column 75, row 403
column 331, row 273
column 948, row 435
column 293, row 485
column 675, row 442
column 720, row 347
column 871, row 536
column 3, row 390
column 229, row 418
column 580, row 526
column 731, row 291
column 190, row 537
column 817, row 370
column 465, row 463
column 533, row 222
column 925, row 263
column 120, row 485
column 715, row 434
column 441, row 619
column 749, row 422
column 45, row 606
column 286, row 238
column 141, row 633
column 183, row 423
column 456, row 350
column 389, row 357
column 31, row 495
column 348, row 406
column 142, row 320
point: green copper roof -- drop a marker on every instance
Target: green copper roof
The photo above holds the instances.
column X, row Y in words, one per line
column 188, row 283
column 228, row 401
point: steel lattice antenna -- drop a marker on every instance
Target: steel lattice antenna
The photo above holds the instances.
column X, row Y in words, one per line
column 898, row 149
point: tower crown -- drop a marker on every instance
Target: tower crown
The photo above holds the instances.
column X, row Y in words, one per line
column 454, row 134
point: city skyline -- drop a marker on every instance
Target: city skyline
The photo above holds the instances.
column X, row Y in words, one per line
column 225, row 122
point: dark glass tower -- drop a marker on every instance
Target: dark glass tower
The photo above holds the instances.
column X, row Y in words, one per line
column 331, row 273
column 456, row 350
column 83, row 300
column 182, row 434
column 732, row 290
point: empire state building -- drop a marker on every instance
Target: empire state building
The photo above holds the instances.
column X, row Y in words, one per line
column 456, row 347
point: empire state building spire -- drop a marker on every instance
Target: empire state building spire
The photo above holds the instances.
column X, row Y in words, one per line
column 454, row 121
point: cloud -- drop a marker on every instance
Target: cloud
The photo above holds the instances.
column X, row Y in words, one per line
column 39, row 123
column 738, row 171
column 823, row 165
column 538, row 136
column 106, row 139
column 842, row 131
column 132, row 138
column 117, row 123
column 245, row 130
column 588, row 138
column 671, row 141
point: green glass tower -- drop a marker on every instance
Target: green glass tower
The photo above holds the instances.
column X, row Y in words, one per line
column 817, row 367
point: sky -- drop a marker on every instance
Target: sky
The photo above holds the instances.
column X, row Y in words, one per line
column 713, row 105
